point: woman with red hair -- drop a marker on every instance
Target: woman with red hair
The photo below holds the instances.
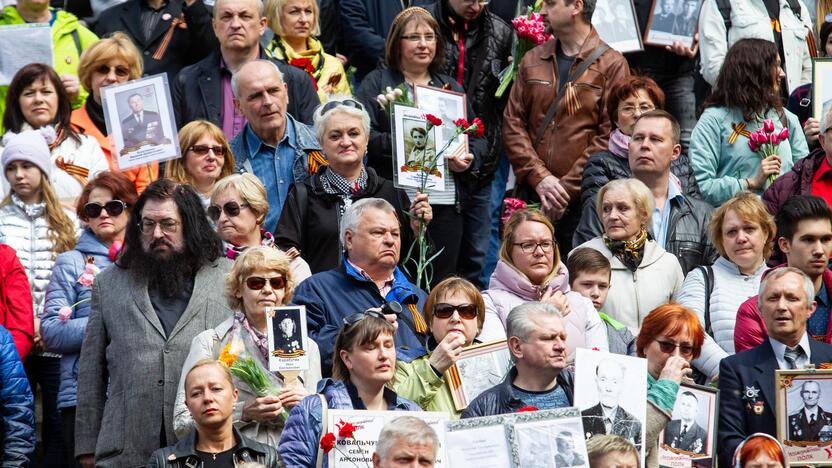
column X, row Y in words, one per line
column 670, row 338
column 759, row 451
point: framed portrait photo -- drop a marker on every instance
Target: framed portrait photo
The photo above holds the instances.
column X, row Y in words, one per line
column 804, row 415
column 551, row 438
column 821, row 87
column 673, row 21
column 139, row 118
column 689, row 439
column 22, row 44
column 611, row 392
column 448, row 106
column 288, row 341
column 478, row 368
column 616, row 23
column 414, row 148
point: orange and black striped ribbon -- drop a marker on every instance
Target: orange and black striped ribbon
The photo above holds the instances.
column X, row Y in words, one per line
column 739, row 129
column 572, row 103
column 316, row 160
column 418, row 321
column 163, row 46
column 79, row 173
column 813, row 46
column 775, row 25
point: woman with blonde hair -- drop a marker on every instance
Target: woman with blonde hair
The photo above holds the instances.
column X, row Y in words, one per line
column 530, row 269
column 259, row 280
column 295, row 25
column 109, row 61
column 206, row 158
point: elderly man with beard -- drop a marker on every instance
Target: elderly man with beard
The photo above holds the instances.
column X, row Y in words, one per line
column 145, row 311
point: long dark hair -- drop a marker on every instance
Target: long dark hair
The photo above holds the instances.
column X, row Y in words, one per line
column 13, row 119
column 747, row 79
column 202, row 244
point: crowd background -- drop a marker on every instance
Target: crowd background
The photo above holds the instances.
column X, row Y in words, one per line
column 642, row 217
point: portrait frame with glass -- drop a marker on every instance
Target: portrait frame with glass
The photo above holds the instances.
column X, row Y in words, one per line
column 804, row 415
column 288, row 338
column 689, row 439
column 478, row 368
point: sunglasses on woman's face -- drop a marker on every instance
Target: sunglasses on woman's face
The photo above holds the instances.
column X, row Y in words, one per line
column 466, row 311
column 202, row 150
column 231, row 209
column 668, row 348
column 256, row 283
column 113, row 207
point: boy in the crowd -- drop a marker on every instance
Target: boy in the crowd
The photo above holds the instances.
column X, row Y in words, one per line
column 589, row 275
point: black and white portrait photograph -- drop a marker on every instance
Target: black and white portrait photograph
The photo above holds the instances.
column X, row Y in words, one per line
column 616, row 23
column 804, row 413
column 673, row 21
column 477, row 369
column 448, row 106
column 139, row 117
column 421, row 147
column 549, row 439
column 287, row 338
column 414, row 147
column 691, row 433
column 611, row 392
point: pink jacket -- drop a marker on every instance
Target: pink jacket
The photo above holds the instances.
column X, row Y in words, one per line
column 750, row 330
column 509, row 288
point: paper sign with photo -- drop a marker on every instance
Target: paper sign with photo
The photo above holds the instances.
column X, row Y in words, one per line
column 415, row 147
column 668, row 23
column 615, row 21
column 22, row 44
column 358, row 450
column 804, row 415
column 140, row 121
column 477, row 369
column 288, row 340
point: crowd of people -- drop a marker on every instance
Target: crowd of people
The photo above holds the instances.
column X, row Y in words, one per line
column 671, row 204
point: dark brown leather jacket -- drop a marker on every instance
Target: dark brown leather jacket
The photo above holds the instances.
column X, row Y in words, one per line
column 568, row 140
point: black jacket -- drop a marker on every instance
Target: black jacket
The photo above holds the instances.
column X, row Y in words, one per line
column 188, row 45
column 500, row 399
column 487, row 44
column 197, row 91
column 380, row 148
column 183, row 454
column 312, row 225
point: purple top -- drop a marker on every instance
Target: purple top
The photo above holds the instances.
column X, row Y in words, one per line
column 232, row 120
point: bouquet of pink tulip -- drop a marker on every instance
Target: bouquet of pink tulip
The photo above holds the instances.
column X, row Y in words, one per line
column 531, row 32
column 765, row 141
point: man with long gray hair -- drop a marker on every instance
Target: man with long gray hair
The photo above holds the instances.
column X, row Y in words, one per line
column 406, row 441
column 537, row 343
column 368, row 277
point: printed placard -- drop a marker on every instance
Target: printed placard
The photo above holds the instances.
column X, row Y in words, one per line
column 414, row 148
column 288, row 340
column 22, row 44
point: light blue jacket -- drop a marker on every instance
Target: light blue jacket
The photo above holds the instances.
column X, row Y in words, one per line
column 65, row 290
column 719, row 166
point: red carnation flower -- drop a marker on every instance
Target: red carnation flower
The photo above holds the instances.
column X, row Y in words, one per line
column 434, row 120
column 328, row 442
column 480, row 126
column 345, row 430
column 527, row 409
column 462, row 123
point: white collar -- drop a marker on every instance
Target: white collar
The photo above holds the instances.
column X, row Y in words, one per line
column 780, row 348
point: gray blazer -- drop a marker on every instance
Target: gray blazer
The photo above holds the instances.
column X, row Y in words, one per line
column 126, row 346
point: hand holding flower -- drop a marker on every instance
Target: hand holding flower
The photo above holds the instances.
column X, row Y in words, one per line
column 460, row 163
column 267, row 408
column 65, row 313
column 768, row 167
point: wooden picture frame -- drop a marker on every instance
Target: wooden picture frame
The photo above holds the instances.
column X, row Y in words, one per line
column 682, row 444
column 795, row 391
column 478, row 368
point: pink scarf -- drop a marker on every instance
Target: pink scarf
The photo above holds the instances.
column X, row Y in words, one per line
column 619, row 144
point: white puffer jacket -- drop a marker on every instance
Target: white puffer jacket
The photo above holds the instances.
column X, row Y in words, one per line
column 23, row 227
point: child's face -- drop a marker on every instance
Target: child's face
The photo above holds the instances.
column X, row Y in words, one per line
column 593, row 285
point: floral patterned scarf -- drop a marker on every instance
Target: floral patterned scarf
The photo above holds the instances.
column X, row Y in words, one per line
column 629, row 252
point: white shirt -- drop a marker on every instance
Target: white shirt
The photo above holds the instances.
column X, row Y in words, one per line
column 780, row 348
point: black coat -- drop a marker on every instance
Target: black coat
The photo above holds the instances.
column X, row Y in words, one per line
column 695, row 439
column 501, row 400
column 135, row 133
column 188, row 45
column 197, row 91
column 487, row 42
column 183, row 454
column 624, row 424
column 380, row 148
column 313, row 227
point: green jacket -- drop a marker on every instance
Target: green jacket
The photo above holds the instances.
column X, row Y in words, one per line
column 67, row 56
column 417, row 381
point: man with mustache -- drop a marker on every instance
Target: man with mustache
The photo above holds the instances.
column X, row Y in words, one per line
column 804, row 234
column 146, row 309
column 537, row 343
column 746, row 379
column 367, row 277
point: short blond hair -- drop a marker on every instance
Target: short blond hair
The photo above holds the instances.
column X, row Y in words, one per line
column 274, row 10
column 514, row 221
column 600, row 445
column 749, row 208
column 251, row 260
column 117, row 46
column 250, row 189
column 642, row 197
column 209, row 362
column 189, row 135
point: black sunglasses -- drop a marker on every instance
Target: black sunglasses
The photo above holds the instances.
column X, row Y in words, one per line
column 231, row 208
column 202, row 150
column 466, row 311
column 113, row 207
column 668, row 348
column 346, row 102
column 256, row 283
column 351, row 320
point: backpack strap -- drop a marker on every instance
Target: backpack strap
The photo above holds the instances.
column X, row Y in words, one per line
column 724, row 7
column 708, row 276
column 550, row 114
column 324, row 409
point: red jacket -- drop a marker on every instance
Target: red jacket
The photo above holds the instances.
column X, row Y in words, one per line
column 16, row 301
column 750, row 330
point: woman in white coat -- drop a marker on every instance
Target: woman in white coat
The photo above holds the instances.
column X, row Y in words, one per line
column 742, row 231
column 644, row 275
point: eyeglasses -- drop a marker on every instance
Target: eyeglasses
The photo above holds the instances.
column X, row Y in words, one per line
column 631, row 110
column 530, row 247
column 428, row 38
column 466, row 311
column 105, row 69
column 351, row 320
column 469, row 3
column 113, row 207
column 345, row 103
column 231, row 209
column 148, row 226
column 202, row 150
column 668, row 348
column 256, row 283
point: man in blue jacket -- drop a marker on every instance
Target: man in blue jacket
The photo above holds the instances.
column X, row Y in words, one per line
column 367, row 278
column 17, row 407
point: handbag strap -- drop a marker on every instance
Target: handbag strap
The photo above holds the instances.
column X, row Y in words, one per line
column 324, row 408
column 550, row 114
column 708, row 276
